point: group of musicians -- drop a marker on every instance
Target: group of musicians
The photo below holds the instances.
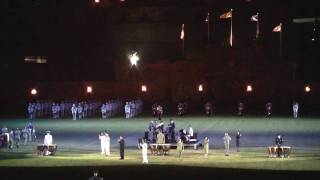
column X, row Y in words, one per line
column 155, row 128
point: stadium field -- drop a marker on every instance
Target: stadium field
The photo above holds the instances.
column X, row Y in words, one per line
column 79, row 149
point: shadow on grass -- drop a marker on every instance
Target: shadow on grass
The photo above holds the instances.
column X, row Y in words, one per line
column 150, row 172
column 15, row 155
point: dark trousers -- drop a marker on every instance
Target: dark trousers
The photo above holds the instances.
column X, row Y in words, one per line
column 279, row 151
column 121, row 153
column 238, row 145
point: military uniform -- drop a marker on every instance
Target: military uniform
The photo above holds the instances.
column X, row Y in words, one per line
column 295, row 109
column 17, row 137
column 11, row 136
column 238, row 135
column 208, row 109
column 74, row 112
column 226, row 140
column 121, row 145
column 279, row 142
column 159, row 112
column 144, row 146
column 25, row 135
column 160, row 138
column 180, row 148
column 172, row 127
column 206, row 146
column 268, row 109
column 127, row 110
column 240, row 109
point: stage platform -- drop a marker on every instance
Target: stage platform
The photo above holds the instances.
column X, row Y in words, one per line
column 195, row 144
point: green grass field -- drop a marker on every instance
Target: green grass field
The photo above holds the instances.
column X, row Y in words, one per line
column 79, row 146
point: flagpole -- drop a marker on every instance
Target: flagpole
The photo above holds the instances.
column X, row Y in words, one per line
column 258, row 30
column 280, row 39
column 182, row 39
column 183, row 47
column 208, row 26
column 231, row 29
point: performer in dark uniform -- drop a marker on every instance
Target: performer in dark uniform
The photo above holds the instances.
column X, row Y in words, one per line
column 171, row 127
column 279, row 142
column 154, row 110
column 121, row 144
column 238, row 135
column 160, row 126
column 240, row 109
column 208, row 108
column 159, row 112
column 268, row 109
column 180, row 109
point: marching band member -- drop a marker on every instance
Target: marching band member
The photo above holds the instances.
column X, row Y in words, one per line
column 74, row 111
column 121, row 146
column 279, row 142
column 208, row 108
column 206, row 146
column 295, row 109
column 144, row 146
column 268, row 109
column 190, row 132
column 226, row 140
column 240, row 109
column 180, row 148
column 127, row 110
column 47, row 142
column 238, row 136
column 159, row 112
column 103, row 143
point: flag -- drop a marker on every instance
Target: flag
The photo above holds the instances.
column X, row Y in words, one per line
column 207, row 18
column 226, row 15
column 277, row 28
column 255, row 17
column 182, row 32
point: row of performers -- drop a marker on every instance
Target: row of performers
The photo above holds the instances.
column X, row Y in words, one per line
column 182, row 109
column 156, row 130
column 209, row 108
column 157, row 109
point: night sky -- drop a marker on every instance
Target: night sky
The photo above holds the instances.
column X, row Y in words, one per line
column 81, row 39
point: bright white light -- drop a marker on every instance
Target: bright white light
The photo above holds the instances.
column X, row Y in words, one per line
column 96, row 1
column 34, row 92
column 249, row 88
column 134, row 58
column 144, row 88
column 312, row 39
column 89, row 89
column 307, row 89
column 200, row 88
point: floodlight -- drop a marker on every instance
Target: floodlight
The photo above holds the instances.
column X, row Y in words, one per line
column 89, row 89
column 144, row 88
column 33, row 92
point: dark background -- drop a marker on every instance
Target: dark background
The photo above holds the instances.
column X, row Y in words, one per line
column 82, row 39
column 86, row 42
